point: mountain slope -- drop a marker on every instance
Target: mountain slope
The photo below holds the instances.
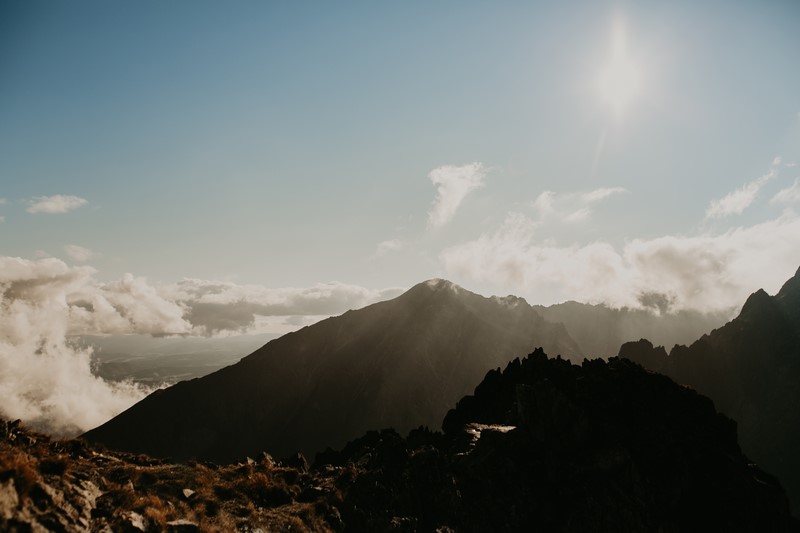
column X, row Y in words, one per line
column 398, row 363
column 751, row 369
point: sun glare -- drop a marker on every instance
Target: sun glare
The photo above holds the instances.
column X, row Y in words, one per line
column 619, row 80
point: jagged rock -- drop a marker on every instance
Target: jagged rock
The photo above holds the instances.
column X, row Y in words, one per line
column 597, row 447
column 750, row 367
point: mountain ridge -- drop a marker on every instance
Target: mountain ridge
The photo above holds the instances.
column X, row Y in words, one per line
column 388, row 364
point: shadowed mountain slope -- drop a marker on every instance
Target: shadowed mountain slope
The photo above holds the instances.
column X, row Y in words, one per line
column 399, row 363
column 751, row 369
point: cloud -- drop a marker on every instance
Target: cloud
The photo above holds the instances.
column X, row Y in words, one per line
column 704, row 272
column 788, row 195
column 736, row 202
column 572, row 207
column 601, row 194
column 453, row 183
column 78, row 253
column 2, row 219
column 214, row 307
column 385, row 247
column 55, row 204
column 44, row 378
column 3, row 201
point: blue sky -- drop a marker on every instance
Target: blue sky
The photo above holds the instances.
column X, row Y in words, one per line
column 278, row 144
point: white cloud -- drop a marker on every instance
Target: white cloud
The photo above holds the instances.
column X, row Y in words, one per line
column 55, row 204
column 736, row 202
column 2, row 219
column 78, row 253
column 44, row 379
column 453, row 183
column 601, row 194
column 385, row 247
column 3, row 201
column 706, row 272
column 572, row 207
column 788, row 195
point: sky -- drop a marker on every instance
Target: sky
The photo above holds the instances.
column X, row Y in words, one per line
column 596, row 151
column 198, row 168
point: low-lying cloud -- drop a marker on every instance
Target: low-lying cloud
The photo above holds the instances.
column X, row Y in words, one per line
column 46, row 379
column 704, row 272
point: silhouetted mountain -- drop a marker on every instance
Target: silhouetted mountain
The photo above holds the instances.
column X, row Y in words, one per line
column 550, row 446
column 399, row 363
column 600, row 330
column 542, row 446
column 751, row 369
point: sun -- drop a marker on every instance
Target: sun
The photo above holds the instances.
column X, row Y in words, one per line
column 619, row 82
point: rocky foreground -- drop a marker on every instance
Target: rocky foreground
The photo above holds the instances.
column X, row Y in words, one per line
column 543, row 445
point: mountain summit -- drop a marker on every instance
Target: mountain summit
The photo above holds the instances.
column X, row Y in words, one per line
column 399, row 363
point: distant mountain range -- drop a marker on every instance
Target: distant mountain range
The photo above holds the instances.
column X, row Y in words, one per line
column 400, row 363
column 750, row 367
column 600, row 330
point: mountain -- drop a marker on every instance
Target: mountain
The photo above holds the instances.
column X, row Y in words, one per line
column 600, row 330
column 399, row 363
column 544, row 445
column 750, row 367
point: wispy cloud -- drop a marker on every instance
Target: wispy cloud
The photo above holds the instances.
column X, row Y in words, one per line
column 56, row 204
column 386, row 247
column 572, row 207
column 78, row 253
column 707, row 272
column 788, row 195
column 453, row 183
column 736, row 202
column 3, row 201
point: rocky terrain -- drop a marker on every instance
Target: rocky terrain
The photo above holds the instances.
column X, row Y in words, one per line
column 751, row 369
column 400, row 363
column 542, row 445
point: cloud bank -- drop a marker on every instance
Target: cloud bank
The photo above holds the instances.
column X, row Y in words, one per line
column 213, row 307
column 55, row 204
column 453, row 184
column 705, row 272
column 47, row 380
column 44, row 379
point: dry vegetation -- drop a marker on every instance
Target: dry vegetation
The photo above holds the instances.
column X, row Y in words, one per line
column 72, row 486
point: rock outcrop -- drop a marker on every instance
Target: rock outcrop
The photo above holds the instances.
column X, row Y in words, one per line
column 750, row 367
